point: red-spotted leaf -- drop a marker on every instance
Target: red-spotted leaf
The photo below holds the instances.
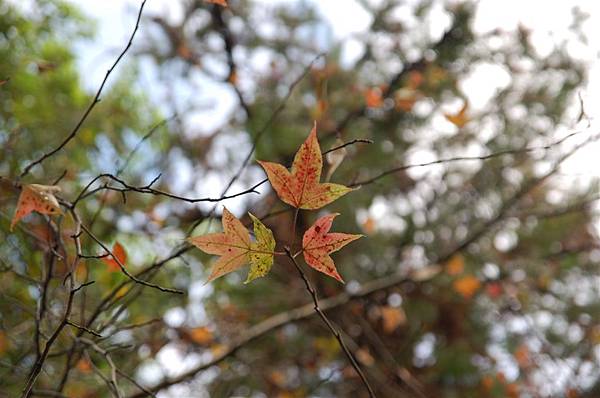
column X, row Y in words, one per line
column 236, row 249
column 301, row 187
column 119, row 252
column 35, row 197
column 318, row 243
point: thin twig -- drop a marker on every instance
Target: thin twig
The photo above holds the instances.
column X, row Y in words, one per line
column 506, row 152
column 124, row 270
column 334, row 331
column 95, row 101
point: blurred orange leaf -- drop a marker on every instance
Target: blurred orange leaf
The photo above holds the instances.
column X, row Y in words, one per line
column 455, row 265
column 373, row 97
column 278, row 378
column 119, row 252
column 84, row 366
column 364, row 356
column 467, row 286
column 202, row 336
column 222, row 3
column 405, row 99
column 459, row 119
column 369, row 225
column 415, row 79
column 521, row 355
column 393, row 317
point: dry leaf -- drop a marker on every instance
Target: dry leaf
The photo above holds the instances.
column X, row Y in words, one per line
column 39, row 198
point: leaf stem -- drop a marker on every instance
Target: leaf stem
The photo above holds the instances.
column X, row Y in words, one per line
column 336, row 333
column 293, row 240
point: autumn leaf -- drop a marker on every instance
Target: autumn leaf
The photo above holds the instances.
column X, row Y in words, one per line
column 3, row 81
column 301, row 188
column 456, row 265
column 261, row 256
column 84, row 366
column 222, row 3
column 119, row 252
column 236, row 249
column 393, row 317
column 374, row 98
column 317, row 244
column 459, row 119
column 467, row 286
column 405, row 99
column 201, row 336
column 39, row 198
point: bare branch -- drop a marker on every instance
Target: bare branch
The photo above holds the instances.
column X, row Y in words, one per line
column 91, row 106
column 336, row 333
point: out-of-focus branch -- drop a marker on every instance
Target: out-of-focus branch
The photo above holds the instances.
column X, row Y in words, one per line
column 506, row 152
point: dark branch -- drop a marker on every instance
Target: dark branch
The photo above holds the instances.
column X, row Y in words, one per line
column 91, row 106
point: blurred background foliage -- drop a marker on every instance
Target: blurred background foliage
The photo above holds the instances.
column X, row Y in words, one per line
column 513, row 310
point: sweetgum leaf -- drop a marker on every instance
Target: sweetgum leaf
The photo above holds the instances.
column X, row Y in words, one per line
column 318, row 243
column 301, row 187
column 236, row 249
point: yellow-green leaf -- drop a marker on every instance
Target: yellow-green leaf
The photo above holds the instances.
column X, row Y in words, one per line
column 261, row 256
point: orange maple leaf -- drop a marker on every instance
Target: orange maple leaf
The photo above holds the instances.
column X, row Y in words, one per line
column 317, row 244
column 236, row 249
column 301, row 188
column 119, row 252
column 374, row 97
column 467, row 286
column 35, row 197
